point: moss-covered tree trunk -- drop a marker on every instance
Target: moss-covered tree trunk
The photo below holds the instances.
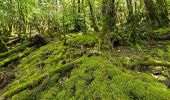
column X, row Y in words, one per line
column 157, row 12
column 162, row 12
column 130, row 11
column 109, row 22
column 93, row 16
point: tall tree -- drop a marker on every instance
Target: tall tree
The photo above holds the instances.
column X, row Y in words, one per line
column 93, row 16
column 157, row 12
column 162, row 12
column 130, row 11
column 109, row 14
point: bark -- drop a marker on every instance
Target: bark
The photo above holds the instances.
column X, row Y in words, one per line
column 79, row 6
column 150, row 8
column 14, row 41
column 157, row 12
column 93, row 16
column 162, row 12
column 84, row 17
column 130, row 11
column 110, row 19
column 77, row 27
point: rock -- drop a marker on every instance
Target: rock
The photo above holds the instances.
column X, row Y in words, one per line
column 94, row 53
column 156, row 72
column 39, row 40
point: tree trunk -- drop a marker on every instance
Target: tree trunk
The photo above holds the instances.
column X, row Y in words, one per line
column 75, row 14
column 151, row 10
column 84, row 17
column 162, row 12
column 157, row 12
column 130, row 11
column 110, row 16
column 93, row 16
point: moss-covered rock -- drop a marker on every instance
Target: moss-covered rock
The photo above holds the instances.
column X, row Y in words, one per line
column 79, row 39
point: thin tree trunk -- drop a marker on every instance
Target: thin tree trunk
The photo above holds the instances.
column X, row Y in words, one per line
column 79, row 6
column 162, row 12
column 110, row 19
column 84, row 16
column 151, row 10
column 130, row 11
column 93, row 15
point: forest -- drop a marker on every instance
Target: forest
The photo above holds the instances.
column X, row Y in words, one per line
column 84, row 49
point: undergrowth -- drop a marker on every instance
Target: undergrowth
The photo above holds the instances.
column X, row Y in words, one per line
column 97, row 79
column 94, row 78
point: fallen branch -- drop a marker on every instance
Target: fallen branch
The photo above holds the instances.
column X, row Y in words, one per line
column 63, row 69
column 14, row 41
column 151, row 62
column 15, row 57
column 37, row 40
column 17, row 49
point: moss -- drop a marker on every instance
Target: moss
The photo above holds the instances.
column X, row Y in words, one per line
column 15, row 57
column 54, row 72
column 99, row 79
column 17, row 49
column 86, row 40
column 25, row 95
column 35, row 67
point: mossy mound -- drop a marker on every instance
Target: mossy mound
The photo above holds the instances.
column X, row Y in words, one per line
column 57, row 72
column 79, row 39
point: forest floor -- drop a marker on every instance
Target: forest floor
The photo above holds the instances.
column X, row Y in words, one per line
column 54, row 71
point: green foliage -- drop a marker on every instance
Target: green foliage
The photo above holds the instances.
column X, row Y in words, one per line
column 162, row 30
column 54, row 71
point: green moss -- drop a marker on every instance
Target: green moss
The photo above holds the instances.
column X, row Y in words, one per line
column 25, row 95
column 86, row 40
column 15, row 57
column 99, row 79
column 63, row 77
column 17, row 49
